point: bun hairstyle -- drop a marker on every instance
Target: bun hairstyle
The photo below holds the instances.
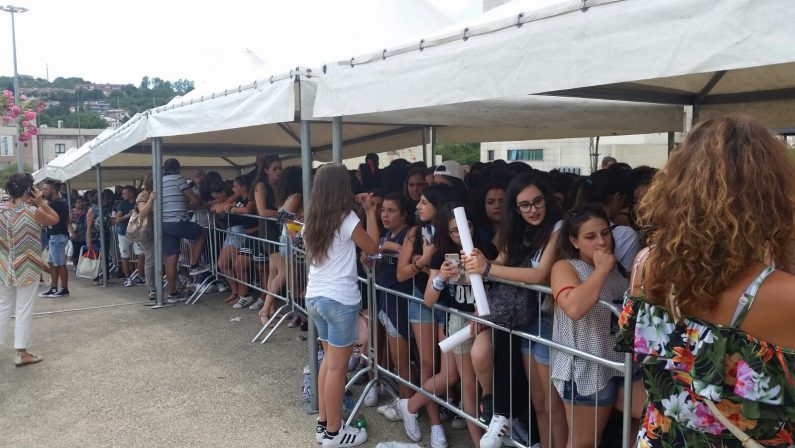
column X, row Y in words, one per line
column 19, row 184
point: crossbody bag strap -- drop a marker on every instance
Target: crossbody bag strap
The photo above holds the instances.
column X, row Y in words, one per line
column 744, row 438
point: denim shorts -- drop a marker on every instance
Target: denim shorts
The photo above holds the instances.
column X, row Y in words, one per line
column 336, row 323
column 174, row 232
column 57, row 250
column 283, row 248
column 605, row 397
column 234, row 238
column 542, row 328
column 421, row 314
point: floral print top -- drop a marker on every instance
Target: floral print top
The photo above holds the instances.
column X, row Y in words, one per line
column 749, row 380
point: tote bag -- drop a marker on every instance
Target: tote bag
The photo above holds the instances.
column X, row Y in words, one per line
column 88, row 265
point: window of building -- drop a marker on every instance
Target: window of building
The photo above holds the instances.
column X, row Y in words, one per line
column 526, row 154
column 570, row 169
column 490, row 155
column 60, row 148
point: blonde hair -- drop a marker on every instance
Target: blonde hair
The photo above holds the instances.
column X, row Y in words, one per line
column 724, row 201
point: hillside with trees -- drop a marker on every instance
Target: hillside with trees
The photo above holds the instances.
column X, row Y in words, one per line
column 100, row 105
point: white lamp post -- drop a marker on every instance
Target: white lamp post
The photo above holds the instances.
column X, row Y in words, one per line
column 16, row 10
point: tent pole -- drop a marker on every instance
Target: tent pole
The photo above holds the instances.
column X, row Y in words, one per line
column 336, row 139
column 306, row 172
column 100, row 198
column 432, row 131
column 157, row 185
column 69, row 194
column 670, row 143
column 425, row 146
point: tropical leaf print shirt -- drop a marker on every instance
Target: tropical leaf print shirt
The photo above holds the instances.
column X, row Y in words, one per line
column 20, row 245
column 750, row 381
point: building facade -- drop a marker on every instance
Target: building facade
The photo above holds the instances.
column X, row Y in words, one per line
column 45, row 147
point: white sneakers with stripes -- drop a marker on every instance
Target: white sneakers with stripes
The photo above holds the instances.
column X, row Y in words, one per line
column 345, row 437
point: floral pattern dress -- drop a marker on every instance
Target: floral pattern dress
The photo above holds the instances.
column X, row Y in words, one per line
column 749, row 380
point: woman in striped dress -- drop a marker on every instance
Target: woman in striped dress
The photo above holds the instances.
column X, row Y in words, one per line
column 20, row 259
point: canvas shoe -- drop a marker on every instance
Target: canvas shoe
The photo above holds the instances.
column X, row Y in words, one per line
column 410, row 421
column 371, row 399
column 438, row 439
column 257, row 305
column 243, row 302
column 175, row 298
column 319, row 431
column 199, row 269
column 222, row 287
column 63, row 292
column 48, row 293
column 345, row 437
column 393, row 412
column 498, row 428
column 128, row 282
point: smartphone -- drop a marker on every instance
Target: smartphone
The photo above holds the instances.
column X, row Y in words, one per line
column 455, row 259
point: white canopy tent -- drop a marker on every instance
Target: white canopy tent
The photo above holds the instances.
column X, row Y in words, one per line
column 717, row 56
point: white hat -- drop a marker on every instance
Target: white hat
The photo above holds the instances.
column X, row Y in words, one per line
column 450, row 168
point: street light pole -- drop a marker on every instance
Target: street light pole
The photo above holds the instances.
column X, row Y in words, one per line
column 14, row 10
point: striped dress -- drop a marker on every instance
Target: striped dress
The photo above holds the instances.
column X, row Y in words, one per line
column 20, row 245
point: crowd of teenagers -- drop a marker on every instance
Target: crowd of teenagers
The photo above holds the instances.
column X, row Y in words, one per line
column 673, row 249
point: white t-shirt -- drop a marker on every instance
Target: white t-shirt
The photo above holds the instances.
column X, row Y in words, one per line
column 336, row 277
column 627, row 245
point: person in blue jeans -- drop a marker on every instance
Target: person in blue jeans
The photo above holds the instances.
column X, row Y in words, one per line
column 57, row 236
column 331, row 233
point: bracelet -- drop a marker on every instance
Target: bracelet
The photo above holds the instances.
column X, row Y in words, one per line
column 562, row 290
column 487, row 270
column 438, row 284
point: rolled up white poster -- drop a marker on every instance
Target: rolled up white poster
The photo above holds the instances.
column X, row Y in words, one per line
column 476, row 280
column 455, row 339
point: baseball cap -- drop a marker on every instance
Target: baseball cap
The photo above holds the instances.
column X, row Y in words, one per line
column 450, row 168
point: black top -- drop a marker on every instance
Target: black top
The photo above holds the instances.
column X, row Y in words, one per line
column 458, row 293
column 268, row 228
column 240, row 220
column 395, row 307
column 60, row 207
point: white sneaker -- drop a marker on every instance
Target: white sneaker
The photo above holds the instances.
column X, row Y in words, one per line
column 222, row 287
column 200, row 269
column 243, row 302
column 257, row 305
column 498, row 428
column 410, row 423
column 438, row 439
column 382, row 409
column 392, row 412
column 128, row 282
column 346, row 437
column 371, row 399
column 319, row 431
column 458, row 422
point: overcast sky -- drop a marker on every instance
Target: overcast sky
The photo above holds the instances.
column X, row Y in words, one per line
column 120, row 42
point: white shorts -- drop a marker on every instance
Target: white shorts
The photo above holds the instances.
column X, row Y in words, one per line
column 125, row 245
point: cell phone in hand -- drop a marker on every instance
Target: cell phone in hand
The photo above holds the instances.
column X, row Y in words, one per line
column 455, row 259
column 427, row 234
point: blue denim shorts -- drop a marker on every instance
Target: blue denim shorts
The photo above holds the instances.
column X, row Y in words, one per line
column 421, row 314
column 542, row 328
column 175, row 232
column 605, row 397
column 57, row 250
column 336, row 323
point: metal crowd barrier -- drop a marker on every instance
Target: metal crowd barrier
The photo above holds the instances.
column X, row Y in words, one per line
column 245, row 273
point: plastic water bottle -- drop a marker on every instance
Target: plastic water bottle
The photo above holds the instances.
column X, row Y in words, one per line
column 361, row 422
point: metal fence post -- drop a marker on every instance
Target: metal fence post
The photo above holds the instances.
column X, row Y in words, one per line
column 336, row 139
column 157, row 183
column 102, row 257
column 311, row 337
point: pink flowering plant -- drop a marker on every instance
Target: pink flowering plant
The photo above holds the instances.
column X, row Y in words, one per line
column 22, row 114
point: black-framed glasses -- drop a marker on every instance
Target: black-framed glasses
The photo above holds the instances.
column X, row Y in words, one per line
column 455, row 233
column 537, row 203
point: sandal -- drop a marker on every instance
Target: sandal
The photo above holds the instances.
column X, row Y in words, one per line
column 233, row 298
column 25, row 358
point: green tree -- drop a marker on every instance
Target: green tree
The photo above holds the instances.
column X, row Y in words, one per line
column 463, row 153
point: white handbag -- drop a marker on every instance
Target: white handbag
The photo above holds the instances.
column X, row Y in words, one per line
column 88, row 266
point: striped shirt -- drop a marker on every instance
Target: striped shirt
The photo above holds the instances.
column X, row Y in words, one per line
column 20, row 245
column 175, row 203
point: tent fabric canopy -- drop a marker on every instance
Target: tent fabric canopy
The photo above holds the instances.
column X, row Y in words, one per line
column 638, row 50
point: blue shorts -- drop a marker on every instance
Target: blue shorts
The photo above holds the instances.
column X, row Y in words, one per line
column 542, row 328
column 175, row 232
column 336, row 323
column 57, row 250
column 234, row 238
column 605, row 397
column 421, row 314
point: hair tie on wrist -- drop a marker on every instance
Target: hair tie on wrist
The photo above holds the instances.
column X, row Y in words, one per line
column 561, row 291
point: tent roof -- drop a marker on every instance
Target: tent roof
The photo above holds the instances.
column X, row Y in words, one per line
column 641, row 50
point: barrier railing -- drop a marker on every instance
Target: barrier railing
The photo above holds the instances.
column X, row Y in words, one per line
column 437, row 381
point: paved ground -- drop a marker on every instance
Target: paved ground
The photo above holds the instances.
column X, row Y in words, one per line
column 129, row 376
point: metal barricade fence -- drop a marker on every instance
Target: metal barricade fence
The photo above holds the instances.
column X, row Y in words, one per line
column 447, row 382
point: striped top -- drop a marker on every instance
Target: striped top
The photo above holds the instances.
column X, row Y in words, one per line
column 20, row 245
column 175, row 203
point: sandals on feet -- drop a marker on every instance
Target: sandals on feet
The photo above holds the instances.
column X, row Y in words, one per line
column 25, row 358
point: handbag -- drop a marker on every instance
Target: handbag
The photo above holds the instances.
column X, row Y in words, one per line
column 139, row 227
column 88, row 265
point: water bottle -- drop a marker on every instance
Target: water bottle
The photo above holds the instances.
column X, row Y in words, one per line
column 361, row 422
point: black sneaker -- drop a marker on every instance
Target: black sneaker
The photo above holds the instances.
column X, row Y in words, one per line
column 486, row 409
column 63, row 292
column 48, row 293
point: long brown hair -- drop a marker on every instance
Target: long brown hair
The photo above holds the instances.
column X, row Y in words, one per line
column 724, row 201
column 332, row 200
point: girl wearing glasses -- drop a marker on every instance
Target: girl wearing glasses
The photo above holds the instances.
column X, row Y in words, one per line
column 528, row 235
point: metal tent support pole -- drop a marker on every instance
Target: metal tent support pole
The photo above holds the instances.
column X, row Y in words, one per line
column 425, row 146
column 432, row 132
column 103, row 262
column 69, row 195
column 670, row 142
column 157, row 185
column 336, row 139
column 306, row 171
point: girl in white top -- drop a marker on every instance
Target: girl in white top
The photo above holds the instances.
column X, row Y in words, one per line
column 331, row 233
